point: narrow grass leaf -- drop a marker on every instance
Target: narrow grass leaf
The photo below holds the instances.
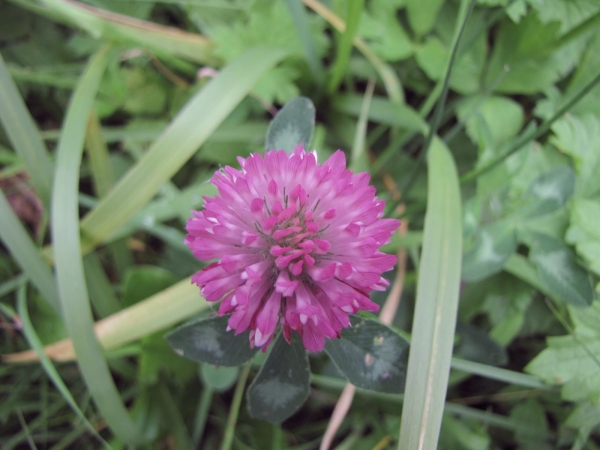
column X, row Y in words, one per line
column 69, row 266
column 302, row 24
column 360, row 160
column 34, row 342
column 146, row 317
column 344, row 47
column 21, row 246
column 98, row 155
column 110, row 25
column 186, row 133
column 436, row 306
column 24, row 135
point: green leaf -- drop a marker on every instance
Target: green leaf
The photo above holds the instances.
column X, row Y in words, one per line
column 293, row 125
column 580, row 139
column 208, row 341
column 436, row 305
column 549, row 192
column 283, row 383
column 144, row 281
column 526, row 50
column 344, row 47
column 584, row 231
column 500, row 116
column 491, row 247
column 422, row 14
column 571, row 360
column 371, row 355
column 218, row 378
column 385, row 35
column 558, row 270
column 474, row 344
column 157, row 356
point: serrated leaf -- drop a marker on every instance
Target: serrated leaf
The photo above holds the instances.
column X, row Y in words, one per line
column 219, row 378
column 207, row 340
column 492, row 246
column 371, row 355
column 558, row 269
column 283, row 382
column 571, row 360
column 293, row 125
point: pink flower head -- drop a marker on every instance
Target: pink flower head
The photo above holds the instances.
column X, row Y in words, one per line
column 297, row 243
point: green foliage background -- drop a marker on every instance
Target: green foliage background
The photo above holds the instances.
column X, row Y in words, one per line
column 153, row 97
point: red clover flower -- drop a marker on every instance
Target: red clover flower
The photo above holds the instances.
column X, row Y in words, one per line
column 297, row 243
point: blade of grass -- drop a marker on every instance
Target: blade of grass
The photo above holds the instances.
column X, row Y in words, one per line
column 436, row 306
column 387, row 74
column 34, row 342
column 72, row 288
column 156, row 313
column 98, row 155
column 186, row 133
column 24, row 135
column 344, row 47
column 113, row 26
column 360, row 162
column 300, row 18
column 20, row 245
column 439, row 108
column 103, row 298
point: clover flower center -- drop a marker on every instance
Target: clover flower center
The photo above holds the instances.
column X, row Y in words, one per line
column 291, row 229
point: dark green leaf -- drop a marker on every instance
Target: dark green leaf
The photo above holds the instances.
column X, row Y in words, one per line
column 492, row 246
column 293, row 125
column 283, row 382
column 219, row 378
column 475, row 345
column 558, row 269
column 143, row 281
column 371, row 355
column 207, row 340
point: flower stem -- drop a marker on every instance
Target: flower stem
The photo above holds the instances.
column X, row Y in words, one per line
column 235, row 407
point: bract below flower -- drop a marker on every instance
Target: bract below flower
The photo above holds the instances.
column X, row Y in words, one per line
column 297, row 244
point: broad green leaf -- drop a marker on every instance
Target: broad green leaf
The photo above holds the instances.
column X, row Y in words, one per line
column 549, row 192
column 144, row 281
column 293, row 125
column 208, row 341
column 218, row 378
column 525, row 49
column 385, row 34
column 572, row 360
column 532, row 413
column 282, row 384
column 580, row 139
column 422, row 14
column 584, row 231
column 500, row 116
column 436, row 305
column 492, row 246
column 459, row 434
column 558, row 270
column 371, row 355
